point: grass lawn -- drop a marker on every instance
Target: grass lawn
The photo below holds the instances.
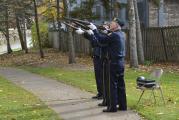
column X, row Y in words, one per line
column 18, row 104
column 85, row 80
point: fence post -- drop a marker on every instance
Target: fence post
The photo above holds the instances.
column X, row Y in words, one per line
column 164, row 45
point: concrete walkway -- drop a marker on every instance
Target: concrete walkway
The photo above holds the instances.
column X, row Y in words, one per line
column 69, row 102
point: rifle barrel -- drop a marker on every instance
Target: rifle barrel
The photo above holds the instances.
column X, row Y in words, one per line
column 70, row 26
column 81, row 21
column 82, row 25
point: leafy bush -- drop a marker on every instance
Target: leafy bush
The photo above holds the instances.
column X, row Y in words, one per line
column 43, row 26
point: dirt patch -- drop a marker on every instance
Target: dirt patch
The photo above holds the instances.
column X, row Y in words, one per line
column 54, row 58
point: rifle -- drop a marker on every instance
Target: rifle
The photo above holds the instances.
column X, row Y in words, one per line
column 80, row 21
column 84, row 27
column 84, row 23
column 76, row 28
column 81, row 25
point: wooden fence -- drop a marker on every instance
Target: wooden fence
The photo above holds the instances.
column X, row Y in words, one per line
column 160, row 44
column 81, row 44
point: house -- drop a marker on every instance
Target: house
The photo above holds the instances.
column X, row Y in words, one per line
column 165, row 15
column 151, row 15
column 99, row 10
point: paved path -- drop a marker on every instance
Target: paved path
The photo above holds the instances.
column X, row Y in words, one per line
column 69, row 102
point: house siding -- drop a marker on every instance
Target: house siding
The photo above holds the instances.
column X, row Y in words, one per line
column 153, row 14
column 172, row 12
column 168, row 16
column 150, row 14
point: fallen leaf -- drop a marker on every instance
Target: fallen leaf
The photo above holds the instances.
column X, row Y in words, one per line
column 38, row 104
column 34, row 111
column 160, row 113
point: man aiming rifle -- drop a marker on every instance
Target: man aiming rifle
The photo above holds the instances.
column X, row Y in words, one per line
column 115, row 41
column 116, row 51
column 84, row 24
column 97, row 54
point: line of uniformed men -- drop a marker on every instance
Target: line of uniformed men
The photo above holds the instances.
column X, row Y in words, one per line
column 108, row 58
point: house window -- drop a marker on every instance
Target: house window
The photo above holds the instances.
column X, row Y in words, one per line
column 98, row 11
column 123, row 14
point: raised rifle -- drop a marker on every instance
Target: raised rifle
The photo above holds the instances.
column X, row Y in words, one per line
column 80, row 21
column 84, row 24
column 81, row 25
column 76, row 28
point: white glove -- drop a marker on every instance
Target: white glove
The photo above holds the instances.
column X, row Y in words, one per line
column 105, row 31
column 92, row 26
column 90, row 32
column 79, row 31
column 63, row 27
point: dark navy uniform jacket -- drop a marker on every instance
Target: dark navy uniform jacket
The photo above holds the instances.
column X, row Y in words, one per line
column 96, row 48
column 115, row 42
column 99, row 49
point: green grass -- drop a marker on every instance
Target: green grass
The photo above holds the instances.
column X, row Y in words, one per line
column 18, row 104
column 149, row 110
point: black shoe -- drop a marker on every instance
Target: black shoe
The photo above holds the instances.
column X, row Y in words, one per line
column 122, row 109
column 97, row 97
column 100, row 97
column 110, row 110
column 102, row 104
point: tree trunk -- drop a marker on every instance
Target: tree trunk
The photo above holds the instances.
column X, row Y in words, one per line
column 58, row 20
column 20, row 33
column 71, row 47
column 111, row 9
column 9, row 50
column 66, row 11
column 132, row 35
column 25, row 40
column 140, row 50
column 37, row 28
column 116, row 9
column 70, row 36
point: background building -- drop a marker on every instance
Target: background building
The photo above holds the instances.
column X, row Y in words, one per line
column 151, row 14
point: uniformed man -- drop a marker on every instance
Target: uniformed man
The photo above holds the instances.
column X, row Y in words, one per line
column 105, row 67
column 116, row 51
column 97, row 52
column 103, row 63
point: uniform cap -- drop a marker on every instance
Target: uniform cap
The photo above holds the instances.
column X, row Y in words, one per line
column 120, row 22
